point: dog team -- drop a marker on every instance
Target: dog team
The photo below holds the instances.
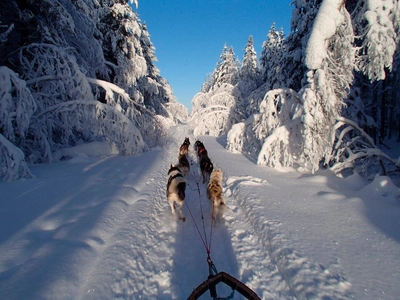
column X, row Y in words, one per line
column 176, row 185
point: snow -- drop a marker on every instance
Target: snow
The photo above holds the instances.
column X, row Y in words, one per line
column 99, row 227
column 326, row 22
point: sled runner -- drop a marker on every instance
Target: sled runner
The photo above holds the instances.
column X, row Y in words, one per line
column 212, row 281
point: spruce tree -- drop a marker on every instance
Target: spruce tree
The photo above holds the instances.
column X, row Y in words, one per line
column 271, row 58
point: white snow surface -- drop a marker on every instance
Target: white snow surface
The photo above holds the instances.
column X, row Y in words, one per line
column 100, row 228
column 326, row 22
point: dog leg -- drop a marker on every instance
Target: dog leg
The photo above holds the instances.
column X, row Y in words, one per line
column 179, row 210
column 171, row 203
column 221, row 209
column 214, row 211
column 204, row 174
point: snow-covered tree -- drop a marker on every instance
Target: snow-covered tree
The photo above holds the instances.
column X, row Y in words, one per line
column 249, row 77
column 249, row 69
column 372, row 107
column 271, row 59
column 215, row 112
column 303, row 15
column 17, row 106
column 218, row 106
column 226, row 70
column 354, row 149
column 274, row 134
column 330, row 59
column 379, row 38
column 86, row 73
column 376, row 25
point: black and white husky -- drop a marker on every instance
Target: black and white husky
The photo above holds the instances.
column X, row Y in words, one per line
column 176, row 187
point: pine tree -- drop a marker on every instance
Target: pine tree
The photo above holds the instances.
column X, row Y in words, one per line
column 301, row 23
column 377, row 27
column 227, row 67
column 249, row 78
column 249, row 70
column 218, row 106
column 330, row 59
column 271, row 58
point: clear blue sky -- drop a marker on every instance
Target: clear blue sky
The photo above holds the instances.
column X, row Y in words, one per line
column 189, row 35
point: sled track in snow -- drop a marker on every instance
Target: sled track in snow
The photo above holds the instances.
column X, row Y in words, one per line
column 137, row 264
column 301, row 275
column 155, row 262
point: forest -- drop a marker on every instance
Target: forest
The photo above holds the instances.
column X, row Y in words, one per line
column 325, row 96
column 83, row 71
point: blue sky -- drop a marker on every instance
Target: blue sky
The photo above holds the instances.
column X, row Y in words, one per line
column 189, row 35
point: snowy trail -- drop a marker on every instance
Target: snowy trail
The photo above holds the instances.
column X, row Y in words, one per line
column 101, row 228
column 167, row 260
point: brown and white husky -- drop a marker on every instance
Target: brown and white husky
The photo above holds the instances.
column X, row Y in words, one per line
column 215, row 194
column 176, row 188
column 183, row 162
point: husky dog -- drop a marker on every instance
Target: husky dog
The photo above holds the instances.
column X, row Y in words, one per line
column 201, row 150
column 184, row 149
column 183, row 163
column 215, row 194
column 206, row 166
column 176, row 187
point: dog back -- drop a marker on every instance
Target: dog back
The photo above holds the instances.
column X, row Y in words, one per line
column 175, row 181
column 206, row 165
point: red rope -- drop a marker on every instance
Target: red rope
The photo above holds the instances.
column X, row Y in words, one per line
column 198, row 230
column 207, row 246
column 212, row 223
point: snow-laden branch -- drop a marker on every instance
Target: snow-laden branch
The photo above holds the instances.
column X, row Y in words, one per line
column 108, row 86
column 215, row 112
column 342, row 120
column 326, row 22
column 17, row 105
column 273, row 135
column 95, row 119
column 3, row 36
column 279, row 148
column 135, row 2
column 349, row 148
column 12, row 161
column 286, row 91
column 200, row 113
column 380, row 42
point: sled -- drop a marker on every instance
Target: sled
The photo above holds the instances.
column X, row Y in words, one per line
column 213, row 280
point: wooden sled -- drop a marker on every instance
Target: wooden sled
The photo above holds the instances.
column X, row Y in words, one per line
column 213, row 280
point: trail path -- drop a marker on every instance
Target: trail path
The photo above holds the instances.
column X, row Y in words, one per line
column 153, row 255
column 101, row 228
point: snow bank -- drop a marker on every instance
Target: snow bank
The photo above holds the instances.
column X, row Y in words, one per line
column 382, row 186
column 89, row 149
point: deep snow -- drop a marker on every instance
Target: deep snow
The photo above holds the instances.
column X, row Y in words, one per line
column 99, row 227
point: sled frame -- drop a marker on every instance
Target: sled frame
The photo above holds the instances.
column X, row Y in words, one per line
column 212, row 281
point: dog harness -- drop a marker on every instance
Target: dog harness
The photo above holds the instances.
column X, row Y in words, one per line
column 173, row 177
column 201, row 150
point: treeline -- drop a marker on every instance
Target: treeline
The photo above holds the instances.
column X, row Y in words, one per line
column 325, row 96
column 74, row 72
